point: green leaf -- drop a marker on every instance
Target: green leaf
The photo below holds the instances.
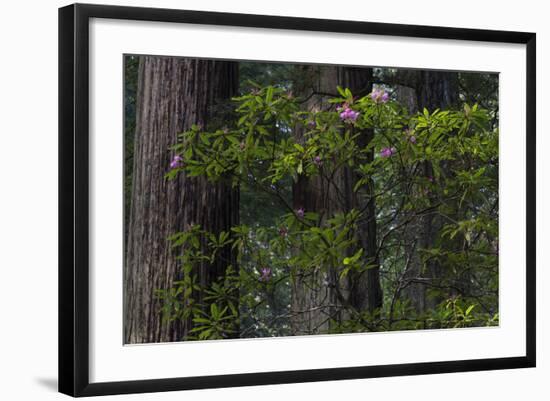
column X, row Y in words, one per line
column 214, row 311
column 299, row 147
column 269, row 95
column 204, row 139
column 341, row 91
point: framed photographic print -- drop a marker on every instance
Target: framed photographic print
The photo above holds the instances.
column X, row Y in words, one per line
column 249, row 199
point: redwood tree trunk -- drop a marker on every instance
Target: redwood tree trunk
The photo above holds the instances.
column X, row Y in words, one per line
column 313, row 300
column 318, row 296
column 365, row 287
column 173, row 94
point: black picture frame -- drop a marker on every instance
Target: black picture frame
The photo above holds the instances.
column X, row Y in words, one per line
column 74, row 198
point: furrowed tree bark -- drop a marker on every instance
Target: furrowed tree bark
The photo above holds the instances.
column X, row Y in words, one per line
column 317, row 296
column 173, row 94
column 312, row 299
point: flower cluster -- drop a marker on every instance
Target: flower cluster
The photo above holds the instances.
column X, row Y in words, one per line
column 348, row 115
column 318, row 161
column 176, row 162
column 300, row 213
column 388, row 152
column 379, row 96
column 265, row 274
column 410, row 135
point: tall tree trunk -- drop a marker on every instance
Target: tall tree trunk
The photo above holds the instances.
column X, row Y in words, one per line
column 434, row 90
column 319, row 296
column 313, row 300
column 173, row 94
column 365, row 287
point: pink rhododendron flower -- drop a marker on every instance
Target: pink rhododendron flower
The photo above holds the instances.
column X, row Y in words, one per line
column 387, row 152
column 410, row 135
column 348, row 115
column 300, row 213
column 380, row 96
column 176, row 161
column 265, row 274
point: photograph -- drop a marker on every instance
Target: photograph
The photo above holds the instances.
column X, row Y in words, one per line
column 271, row 199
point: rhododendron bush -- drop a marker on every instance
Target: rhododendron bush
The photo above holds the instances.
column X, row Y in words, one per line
column 381, row 173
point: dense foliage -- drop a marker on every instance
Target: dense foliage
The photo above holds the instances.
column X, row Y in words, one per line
column 441, row 164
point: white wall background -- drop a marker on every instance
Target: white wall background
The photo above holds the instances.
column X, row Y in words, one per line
column 28, row 200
